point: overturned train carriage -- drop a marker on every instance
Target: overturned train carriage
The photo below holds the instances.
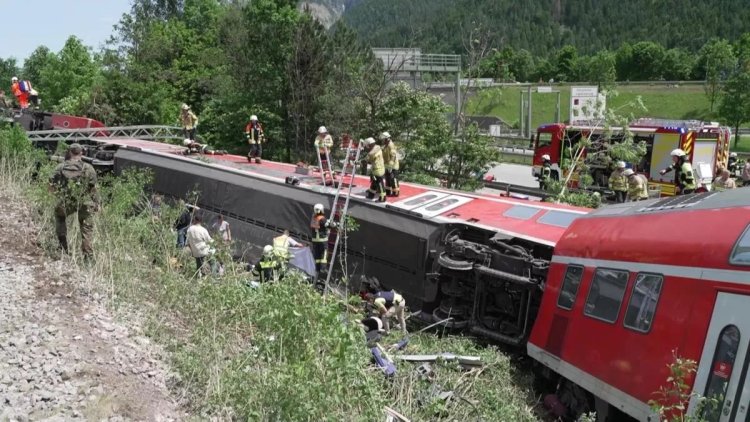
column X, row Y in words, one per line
column 486, row 282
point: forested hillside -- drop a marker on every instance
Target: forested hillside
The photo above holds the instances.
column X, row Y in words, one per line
column 541, row 26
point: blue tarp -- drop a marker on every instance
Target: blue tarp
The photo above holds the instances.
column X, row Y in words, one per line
column 302, row 259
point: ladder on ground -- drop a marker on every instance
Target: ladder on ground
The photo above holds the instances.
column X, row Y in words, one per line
column 144, row 132
column 340, row 207
column 325, row 165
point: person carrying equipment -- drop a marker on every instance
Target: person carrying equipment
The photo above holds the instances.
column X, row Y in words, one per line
column 74, row 182
column 319, row 226
column 377, row 170
column 189, row 122
column 546, row 175
column 390, row 157
column 637, row 185
column 684, row 178
column 21, row 91
column 389, row 304
column 255, row 138
column 618, row 182
column 268, row 267
column 323, row 143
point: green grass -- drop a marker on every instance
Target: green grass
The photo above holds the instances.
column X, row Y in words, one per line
column 683, row 102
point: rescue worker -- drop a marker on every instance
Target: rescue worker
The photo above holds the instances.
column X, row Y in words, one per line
column 255, row 138
column 684, row 177
column 323, row 139
column 189, row 122
column 389, row 304
column 724, row 181
column 390, row 157
column 546, row 175
column 618, row 182
column 281, row 245
column 637, row 186
column 74, row 182
column 268, row 267
column 319, row 226
column 377, row 170
column 732, row 163
column 324, row 142
column 194, row 147
column 21, row 97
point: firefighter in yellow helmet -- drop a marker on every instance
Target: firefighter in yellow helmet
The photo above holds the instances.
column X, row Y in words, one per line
column 377, row 170
column 618, row 182
column 390, row 157
column 637, row 185
column 684, row 178
column 319, row 226
column 189, row 122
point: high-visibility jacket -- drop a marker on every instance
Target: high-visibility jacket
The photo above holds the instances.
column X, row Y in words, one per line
column 254, row 133
column 390, row 156
column 189, row 119
column 268, row 268
column 684, row 176
column 319, row 227
column 546, row 171
column 375, row 158
column 324, row 142
column 637, row 187
column 618, row 181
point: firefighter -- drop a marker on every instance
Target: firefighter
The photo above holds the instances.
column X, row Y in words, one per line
column 684, row 177
column 618, row 182
column 21, row 96
column 732, row 164
column 724, row 181
column 281, row 245
column 268, row 268
column 390, row 157
column 319, row 226
column 546, row 175
column 637, row 186
column 194, row 147
column 189, row 122
column 323, row 139
column 377, row 170
column 255, row 138
column 389, row 304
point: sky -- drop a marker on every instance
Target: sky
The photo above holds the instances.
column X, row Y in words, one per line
column 53, row 21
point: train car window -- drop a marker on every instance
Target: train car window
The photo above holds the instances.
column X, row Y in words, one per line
column 521, row 212
column 558, row 218
column 605, row 294
column 741, row 251
column 722, row 366
column 569, row 288
column 544, row 139
column 642, row 305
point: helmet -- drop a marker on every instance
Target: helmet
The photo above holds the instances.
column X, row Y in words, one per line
column 318, row 208
column 369, row 141
column 187, row 142
column 267, row 250
column 620, row 164
column 677, row 153
column 628, row 172
column 14, row 79
column 384, row 136
column 545, row 157
column 254, row 118
column 379, row 323
column 185, row 107
column 322, row 130
column 732, row 154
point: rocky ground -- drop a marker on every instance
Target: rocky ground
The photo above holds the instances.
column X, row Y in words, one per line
column 63, row 356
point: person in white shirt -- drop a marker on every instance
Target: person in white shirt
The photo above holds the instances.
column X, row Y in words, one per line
column 222, row 226
column 199, row 242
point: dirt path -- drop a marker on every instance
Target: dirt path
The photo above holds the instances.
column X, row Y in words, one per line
column 62, row 355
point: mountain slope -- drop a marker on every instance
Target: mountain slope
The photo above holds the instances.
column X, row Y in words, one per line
column 439, row 26
column 328, row 12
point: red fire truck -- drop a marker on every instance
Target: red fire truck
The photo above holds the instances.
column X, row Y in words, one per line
column 706, row 145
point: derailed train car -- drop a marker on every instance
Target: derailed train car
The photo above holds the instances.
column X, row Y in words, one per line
column 481, row 260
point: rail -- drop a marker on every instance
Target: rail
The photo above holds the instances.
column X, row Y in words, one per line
column 145, row 132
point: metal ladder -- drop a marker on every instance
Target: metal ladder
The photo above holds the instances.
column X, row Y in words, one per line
column 145, row 132
column 341, row 204
column 325, row 165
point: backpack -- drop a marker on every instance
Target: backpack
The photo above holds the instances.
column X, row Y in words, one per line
column 24, row 86
column 71, row 174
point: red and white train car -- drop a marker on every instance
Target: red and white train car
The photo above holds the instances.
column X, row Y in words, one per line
column 630, row 286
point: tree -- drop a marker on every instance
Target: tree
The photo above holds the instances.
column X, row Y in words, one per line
column 715, row 62
column 624, row 62
column 8, row 69
column 601, row 69
column 677, row 65
column 35, row 64
column 522, row 65
column 646, row 61
column 70, row 73
column 735, row 103
column 566, row 64
column 742, row 51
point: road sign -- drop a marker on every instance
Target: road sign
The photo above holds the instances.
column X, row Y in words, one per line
column 586, row 104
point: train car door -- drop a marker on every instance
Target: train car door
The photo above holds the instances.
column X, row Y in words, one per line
column 722, row 371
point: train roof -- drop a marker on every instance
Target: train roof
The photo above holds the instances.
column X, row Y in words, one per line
column 702, row 230
column 534, row 221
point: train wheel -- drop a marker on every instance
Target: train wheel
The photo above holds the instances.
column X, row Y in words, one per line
column 454, row 264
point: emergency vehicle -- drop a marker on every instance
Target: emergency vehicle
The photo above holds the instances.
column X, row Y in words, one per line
column 706, row 146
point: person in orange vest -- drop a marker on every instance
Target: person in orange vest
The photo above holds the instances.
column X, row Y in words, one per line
column 255, row 138
column 21, row 97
